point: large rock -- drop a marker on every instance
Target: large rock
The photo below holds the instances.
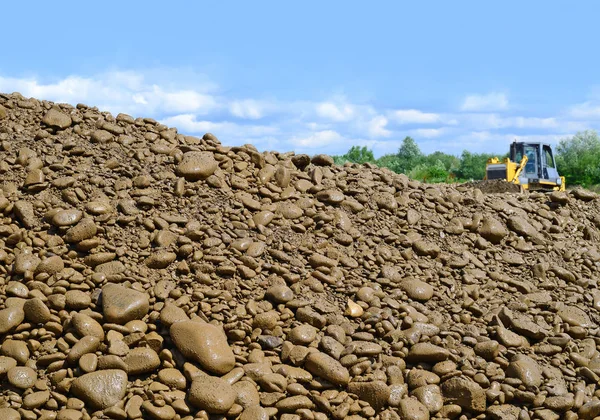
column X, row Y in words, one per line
column 121, row 304
column 10, row 318
column 57, row 119
column 583, row 194
column 101, row 389
column 574, row 316
column 197, row 165
column 430, row 396
column 375, row 393
column 255, row 412
column 526, row 369
column 326, row 367
column 426, row 248
column 522, row 323
column 322, row 160
column 86, row 325
column 428, row 353
column 205, row 344
column 493, row 230
column 503, row 412
column 417, row 289
column 9, row 413
column 332, row 196
column 589, row 410
column 212, row 394
column 521, row 226
column 464, row 392
column 141, row 360
column 85, row 229
column 412, row 409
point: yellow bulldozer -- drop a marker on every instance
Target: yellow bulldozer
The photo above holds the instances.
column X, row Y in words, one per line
column 529, row 166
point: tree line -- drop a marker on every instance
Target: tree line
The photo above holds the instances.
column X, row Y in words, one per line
column 577, row 158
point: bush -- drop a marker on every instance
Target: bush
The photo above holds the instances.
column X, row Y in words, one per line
column 472, row 166
column 578, row 158
column 356, row 154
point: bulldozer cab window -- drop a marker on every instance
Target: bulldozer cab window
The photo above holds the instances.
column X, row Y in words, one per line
column 530, row 167
column 518, row 156
column 548, row 157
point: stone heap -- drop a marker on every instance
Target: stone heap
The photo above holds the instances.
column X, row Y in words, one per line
column 148, row 274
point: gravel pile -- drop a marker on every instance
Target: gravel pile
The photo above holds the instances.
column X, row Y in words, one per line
column 147, row 274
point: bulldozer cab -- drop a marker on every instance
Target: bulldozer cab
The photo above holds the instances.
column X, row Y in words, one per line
column 540, row 169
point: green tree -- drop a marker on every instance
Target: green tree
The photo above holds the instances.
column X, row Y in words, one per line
column 356, row 154
column 578, row 158
column 409, row 155
column 389, row 161
column 472, row 166
column 450, row 162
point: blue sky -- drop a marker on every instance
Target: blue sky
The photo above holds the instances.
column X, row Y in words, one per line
column 319, row 76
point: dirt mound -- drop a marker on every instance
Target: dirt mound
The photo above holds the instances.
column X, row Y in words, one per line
column 148, row 274
column 494, row 186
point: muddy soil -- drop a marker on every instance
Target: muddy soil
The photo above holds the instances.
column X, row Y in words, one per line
column 148, row 274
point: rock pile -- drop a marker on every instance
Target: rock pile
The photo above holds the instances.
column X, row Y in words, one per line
column 148, row 274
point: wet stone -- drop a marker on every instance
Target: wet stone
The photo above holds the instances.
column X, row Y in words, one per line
column 15, row 349
column 493, row 230
column 57, row 119
column 36, row 311
column 326, row 367
column 10, row 318
column 375, row 393
column 205, row 344
column 197, row 165
column 465, row 393
column 172, row 378
column 21, row 377
column 121, row 305
column 9, row 413
column 426, row 352
column 67, row 217
column 417, row 289
column 141, row 360
column 212, row 394
column 101, row 389
column 279, row 294
column 526, row 369
column 410, row 408
column 303, row 334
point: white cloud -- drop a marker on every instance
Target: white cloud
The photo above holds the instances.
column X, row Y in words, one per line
column 486, row 121
column 117, row 91
column 317, row 140
column 314, row 126
column 183, row 101
column 543, row 138
column 489, row 102
column 533, row 122
column 481, row 135
column 586, row 110
column 224, row 130
column 493, row 142
column 247, row 109
column 414, row 116
column 377, row 127
column 335, row 112
column 428, row 132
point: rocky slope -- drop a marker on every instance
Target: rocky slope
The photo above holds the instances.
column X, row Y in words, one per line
column 147, row 274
